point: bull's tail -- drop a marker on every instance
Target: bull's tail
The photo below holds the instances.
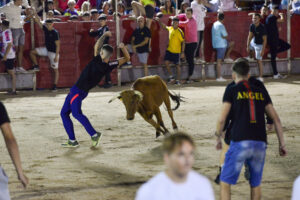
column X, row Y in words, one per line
column 176, row 98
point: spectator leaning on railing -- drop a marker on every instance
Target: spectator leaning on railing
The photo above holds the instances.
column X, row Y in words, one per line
column 71, row 8
column 12, row 12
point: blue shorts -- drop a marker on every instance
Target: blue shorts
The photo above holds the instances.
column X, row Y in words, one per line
column 172, row 57
column 221, row 53
column 252, row 153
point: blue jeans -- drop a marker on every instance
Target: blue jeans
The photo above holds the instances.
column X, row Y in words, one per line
column 73, row 104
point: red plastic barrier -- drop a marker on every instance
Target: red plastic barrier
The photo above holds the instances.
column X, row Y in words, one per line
column 295, row 36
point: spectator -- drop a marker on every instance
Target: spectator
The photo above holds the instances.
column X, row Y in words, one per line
column 199, row 11
column 51, row 50
column 71, row 9
column 85, row 7
column 105, row 8
column 94, row 15
column 190, row 40
column 62, row 5
column 74, row 18
column 86, row 16
column 295, row 7
column 264, row 12
column 13, row 149
column 92, row 3
column 178, row 181
column 144, row 7
column 227, row 5
column 167, row 8
column 49, row 7
column 220, row 44
column 296, row 189
column 140, row 42
column 175, row 48
column 183, row 6
column 12, row 12
column 8, row 53
column 276, row 44
column 98, row 33
column 50, row 15
column 257, row 41
column 121, row 9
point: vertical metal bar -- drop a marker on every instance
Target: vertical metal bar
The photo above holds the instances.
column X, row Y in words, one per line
column 118, row 39
column 177, row 9
column 32, row 47
column 44, row 12
column 289, row 37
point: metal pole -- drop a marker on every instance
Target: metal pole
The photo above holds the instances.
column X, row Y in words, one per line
column 177, row 10
column 266, row 2
column 118, row 39
column 44, row 12
column 32, row 47
column 289, row 37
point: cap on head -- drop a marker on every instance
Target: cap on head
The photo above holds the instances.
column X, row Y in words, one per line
column 5, row 22
column 50, row 2
column 86, row 14
column 94, row 11
column 175, row 140
column 241, row 67
column 102, row 17
column 73, row 17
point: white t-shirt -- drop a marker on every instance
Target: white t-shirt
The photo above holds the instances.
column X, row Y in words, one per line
column 161, row 187
column 296, row 189
column 199, row 11
column 7, row 38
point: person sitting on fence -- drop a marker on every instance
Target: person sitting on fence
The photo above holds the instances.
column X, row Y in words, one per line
column 105, row 8
column 295, row 7
column 71, row 8
column 167, row 8
column 8, row 53
column 49, row 7
column 85, row 7
column 94, row 15
column 220, row 44
column 144, row 8
column 140, row 43
column 51, row 50
column 98, row 33
column 175, row 48
column 86, row 16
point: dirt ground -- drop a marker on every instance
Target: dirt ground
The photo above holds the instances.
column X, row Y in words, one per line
column 129, row 154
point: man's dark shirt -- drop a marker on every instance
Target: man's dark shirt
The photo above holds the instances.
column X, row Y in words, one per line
column 50, row 38
column 272, row 29
column 3, row 115
column 100, row 32
column 139, row 36
column 258, row 33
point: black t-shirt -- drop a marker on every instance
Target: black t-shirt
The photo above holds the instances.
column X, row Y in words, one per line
column 248, row 107
column 3, row 115
column 272, row 29
column 50, row 38
column 258, row 33
column 100, row 32
column 139, row 36
column 94, row 72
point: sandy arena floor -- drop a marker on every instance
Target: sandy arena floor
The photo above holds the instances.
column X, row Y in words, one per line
column 129, row 154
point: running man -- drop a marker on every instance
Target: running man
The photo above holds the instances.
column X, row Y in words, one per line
column 13, row 149
column 248, row 134
column 257, row 41
column 89, row 78
column 51, row 49
column 179, row 181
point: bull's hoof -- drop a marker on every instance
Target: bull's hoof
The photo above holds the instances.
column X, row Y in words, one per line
column 157, row 134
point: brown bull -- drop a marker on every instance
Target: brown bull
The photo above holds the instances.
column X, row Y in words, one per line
column 145, row 97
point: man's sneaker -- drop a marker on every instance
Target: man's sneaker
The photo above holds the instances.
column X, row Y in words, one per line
column 35, row 68
column 261, row 79
column 177, row 82
column 12, row 93
column 247, row 172
column 20, row 70
column 171, row 79
column 96, row 139
column 221, row 79
column 228, row 60
column 70, row 144
column 217, row 180
column 279, row 76
column 188, row 81
column 198, row 60
column 250, row 59
column 107, row 85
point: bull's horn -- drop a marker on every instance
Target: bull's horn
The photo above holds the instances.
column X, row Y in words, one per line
column 139, row 94
column 118, row 96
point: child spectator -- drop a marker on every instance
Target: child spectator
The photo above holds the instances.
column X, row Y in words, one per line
column 51, row 50
column 49, row 7
column 85, row 7
column 94, row 15
column 220, row 44
column 144, row 7
column 295, row 7
column 167, row 8
column 71, row 10
column 8, row 53
column 140, row 43
column 105, row 8
column 86, row 16
column 175, row 48
column 98, row 33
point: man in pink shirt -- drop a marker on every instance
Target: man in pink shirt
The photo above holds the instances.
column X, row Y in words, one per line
column 190, row 29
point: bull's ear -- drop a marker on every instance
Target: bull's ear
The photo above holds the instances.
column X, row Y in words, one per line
column 114, row 98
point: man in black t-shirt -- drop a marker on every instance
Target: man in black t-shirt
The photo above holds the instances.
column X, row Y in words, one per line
column 248, row 104
column 257, row 41
column 140, row 42
column 276, row 44
column 98, row 33
column 89, row 78
column 52, row 43
column 13, row 150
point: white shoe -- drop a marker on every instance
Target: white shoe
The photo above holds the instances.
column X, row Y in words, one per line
column 269, row 56
column 250, row 59
column 279, row 76
column 221, row 79
column 228, row 60
column 21, row 70
column 198, row 60
column 261, row 79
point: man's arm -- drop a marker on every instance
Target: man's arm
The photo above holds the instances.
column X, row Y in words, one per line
column 146, row 40
column 132, row 44
column 13, row 150
column 100, row 41
column 9, row 46
column 271, row 112
column 250, row 36
column 182, row 49
column 264, row 45
column 160, row 23
column 25, row 3
column 38, row 20
column 221, row 123
column 57, row 43
column 281, row 19
column 126, row 57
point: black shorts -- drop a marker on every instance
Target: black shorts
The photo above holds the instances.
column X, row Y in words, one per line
column 172, row 57
column 9, row 63
column 149, row 11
